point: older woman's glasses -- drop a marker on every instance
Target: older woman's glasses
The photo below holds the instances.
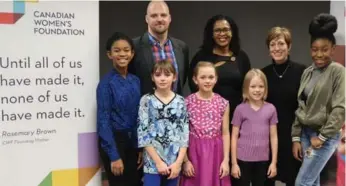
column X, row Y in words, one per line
column 221, row 30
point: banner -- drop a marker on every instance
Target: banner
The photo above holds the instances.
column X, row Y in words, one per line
column 49, row 70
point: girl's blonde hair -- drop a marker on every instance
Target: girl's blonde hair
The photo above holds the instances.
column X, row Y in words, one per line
column 203, row 64
column 248, row 77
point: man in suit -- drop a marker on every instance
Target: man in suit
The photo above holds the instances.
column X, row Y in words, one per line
column 156, row 45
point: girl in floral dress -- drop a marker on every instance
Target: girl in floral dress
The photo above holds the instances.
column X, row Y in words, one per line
column 207, row 160
column 163, row 129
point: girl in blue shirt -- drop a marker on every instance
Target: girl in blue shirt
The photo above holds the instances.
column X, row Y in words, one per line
column 163, row 129
column 118, row 95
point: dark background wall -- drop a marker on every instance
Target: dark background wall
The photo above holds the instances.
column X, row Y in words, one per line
column 254, row 19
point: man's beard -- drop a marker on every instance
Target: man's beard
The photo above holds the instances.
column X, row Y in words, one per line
column 159, row 31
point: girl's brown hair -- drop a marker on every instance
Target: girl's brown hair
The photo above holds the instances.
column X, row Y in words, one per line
column 248, row 77
column 164, row 66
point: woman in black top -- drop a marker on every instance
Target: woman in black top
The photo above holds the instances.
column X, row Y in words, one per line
column 221, row 46
column 283, row 77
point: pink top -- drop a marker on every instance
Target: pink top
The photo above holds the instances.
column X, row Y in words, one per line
column 206, row 115
column 254, row 134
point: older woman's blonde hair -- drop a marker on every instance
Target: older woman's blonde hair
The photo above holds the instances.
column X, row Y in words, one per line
column 277, row 32
column 246, row 84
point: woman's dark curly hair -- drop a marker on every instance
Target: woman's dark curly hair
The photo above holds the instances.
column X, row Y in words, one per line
column 208, row 40
column 323, row 26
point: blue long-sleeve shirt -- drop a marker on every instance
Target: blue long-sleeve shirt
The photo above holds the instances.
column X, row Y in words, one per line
column 117, row 109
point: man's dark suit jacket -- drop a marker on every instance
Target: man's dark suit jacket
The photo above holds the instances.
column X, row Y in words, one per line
column 143, row 62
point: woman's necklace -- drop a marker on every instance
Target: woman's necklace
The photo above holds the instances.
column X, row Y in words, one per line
column 231, row 56
column 282, row 75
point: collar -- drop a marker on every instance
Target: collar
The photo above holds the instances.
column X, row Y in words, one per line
column 116, row 73
column 283, row 64
column 315, row 68
column 154, row 41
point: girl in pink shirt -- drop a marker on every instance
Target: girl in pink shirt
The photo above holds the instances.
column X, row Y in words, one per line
column 207, row 160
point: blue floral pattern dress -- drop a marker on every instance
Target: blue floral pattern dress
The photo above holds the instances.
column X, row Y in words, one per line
column 164, row 127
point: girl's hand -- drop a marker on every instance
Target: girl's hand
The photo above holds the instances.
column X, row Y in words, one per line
column 162, row 168
column 140, row 160
column 316, row 143
column 271, row 171
column 236, row 171
column 188, row 169
column 224, row 169
column 175, row 170
column 297, row 151
column 117, row 167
